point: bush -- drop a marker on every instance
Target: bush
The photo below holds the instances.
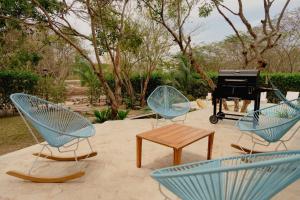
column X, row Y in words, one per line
column 52, row 90
column 13, row 82
column 122, row 114
column 283, row 81
column 104, row 115
column 156, row 79
column 198, row 88
column 88, row 78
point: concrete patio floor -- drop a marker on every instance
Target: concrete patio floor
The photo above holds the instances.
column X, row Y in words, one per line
column 113, row 173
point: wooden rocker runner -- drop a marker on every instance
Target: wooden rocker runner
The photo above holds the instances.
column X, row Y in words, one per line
column 59, row 127
column 269, row 125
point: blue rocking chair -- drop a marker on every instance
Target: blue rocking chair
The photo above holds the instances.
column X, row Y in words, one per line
column 247, row 177
column 270, row 125
column 59, row 127
column 168, row 102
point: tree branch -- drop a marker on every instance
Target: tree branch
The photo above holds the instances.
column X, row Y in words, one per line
column 281, row 14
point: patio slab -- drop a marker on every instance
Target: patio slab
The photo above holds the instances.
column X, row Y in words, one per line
column 113, row 173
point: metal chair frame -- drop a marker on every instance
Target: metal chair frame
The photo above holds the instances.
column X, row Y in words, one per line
column 70, row 146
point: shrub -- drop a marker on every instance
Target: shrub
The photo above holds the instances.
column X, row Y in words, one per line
column 88, row 78
column 128, row 103
column 156, row 79
column 283, row 81
column 50, row 89
column 13, row 82
column 122, row 114
column 198, row 88
column 103, row 115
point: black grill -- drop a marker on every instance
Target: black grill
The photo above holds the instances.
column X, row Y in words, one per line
column 241, row 84
column 236, row 84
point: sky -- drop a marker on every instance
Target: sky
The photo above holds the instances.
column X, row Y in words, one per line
column 215, row 28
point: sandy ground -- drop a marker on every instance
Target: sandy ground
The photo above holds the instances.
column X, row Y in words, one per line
column 113, row 173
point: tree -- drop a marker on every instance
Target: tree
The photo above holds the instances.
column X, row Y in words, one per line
column 289, row 45
column 110, row 25
column 259, row 40
column 88, row 78
column 17, row 50
column 131, row 56
column 154, row 48
column 227, row 54
column 173, row 15
column 144, row 51
column 184, row 75
column 99, row 15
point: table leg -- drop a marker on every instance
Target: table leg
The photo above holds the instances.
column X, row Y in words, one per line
column 177, row 156
column 138, row 152
column 210, row 145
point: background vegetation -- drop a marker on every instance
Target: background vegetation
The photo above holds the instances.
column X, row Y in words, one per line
column 131, row 47
column 130, row 56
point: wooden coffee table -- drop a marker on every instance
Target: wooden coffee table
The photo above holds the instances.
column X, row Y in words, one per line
column 176, row 136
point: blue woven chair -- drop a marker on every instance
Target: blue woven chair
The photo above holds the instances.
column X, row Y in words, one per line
column 247, row 177
column 270, row 125
column 59, row 127
column 168, row 102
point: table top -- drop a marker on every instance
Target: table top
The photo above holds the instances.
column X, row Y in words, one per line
column 175, row 135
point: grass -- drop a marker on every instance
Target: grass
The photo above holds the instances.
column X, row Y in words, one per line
column 14, row 135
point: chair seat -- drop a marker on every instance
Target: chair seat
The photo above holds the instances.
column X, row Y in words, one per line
column 170, row 114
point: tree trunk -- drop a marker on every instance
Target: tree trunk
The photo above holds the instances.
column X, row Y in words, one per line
column 110, row 95
column 129, row 88
column 200, row 71
column 117, row 76
column 236, row 105
column 114, row 110
column 203, row 75
column 143, row 94
column 245, row 105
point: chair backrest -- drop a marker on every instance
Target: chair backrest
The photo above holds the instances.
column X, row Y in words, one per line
column 277, row 92
column 52, row 121
column 289, row 96
column 256, row 176
column 168, row 102
column 272, row 123
column 292, row 95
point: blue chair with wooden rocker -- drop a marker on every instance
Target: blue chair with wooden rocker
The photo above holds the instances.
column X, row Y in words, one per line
column 270, row 125
column 59, row 127
column 247, row 177
column 168, row 102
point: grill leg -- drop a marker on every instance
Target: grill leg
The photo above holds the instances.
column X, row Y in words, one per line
column 215, row 106
column 256, row 107
column 220, row 105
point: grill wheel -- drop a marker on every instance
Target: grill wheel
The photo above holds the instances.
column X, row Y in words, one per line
column 213, row 119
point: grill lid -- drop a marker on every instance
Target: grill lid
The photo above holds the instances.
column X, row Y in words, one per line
column 232, row 73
